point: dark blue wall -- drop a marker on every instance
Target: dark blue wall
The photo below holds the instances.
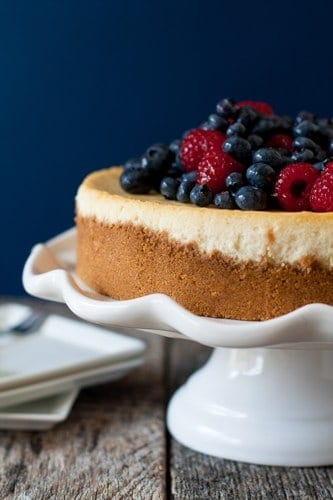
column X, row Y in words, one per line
column 88, row 83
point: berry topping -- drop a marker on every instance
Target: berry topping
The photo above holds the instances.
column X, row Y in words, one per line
column 270, row 156
column 305, row 128
column 244, row 156
column 187, row 183
column 201, row 196
column 169, row 187
column 136, row 181
column 224, row 200
column 321, row 196
column 226, row 108
column 304, row 143
column 156, row 157
column 304, row 156
column 195, row 144
column 236, row 128
column 234, row 181
column 215, row 122
column 261, row 175
column 134, row 163
column 261, row 107
column 293, row 186
column 247, row 116
column 237, row 147
column 282, row 141
column 214, row 169
column 256, row 141
column 251, row 198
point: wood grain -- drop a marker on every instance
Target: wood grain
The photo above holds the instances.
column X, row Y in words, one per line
column 114, row 445
column 111, row 446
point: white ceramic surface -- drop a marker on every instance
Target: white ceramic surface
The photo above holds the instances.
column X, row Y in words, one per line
column 38, row 415
column 77, row 380
column 61, row 346
column 270, row 403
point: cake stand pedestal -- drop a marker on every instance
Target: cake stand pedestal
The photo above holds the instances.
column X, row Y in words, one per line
column 267, row 406
column 264, row 396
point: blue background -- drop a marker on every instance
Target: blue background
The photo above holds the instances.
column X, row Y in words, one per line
column 89, row 83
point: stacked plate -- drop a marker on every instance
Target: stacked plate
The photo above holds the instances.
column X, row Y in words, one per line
column 42, row 369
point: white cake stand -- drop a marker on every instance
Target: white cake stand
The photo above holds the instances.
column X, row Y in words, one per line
column 264, row 396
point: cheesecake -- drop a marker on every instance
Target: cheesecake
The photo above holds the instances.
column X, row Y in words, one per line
column 238, row 264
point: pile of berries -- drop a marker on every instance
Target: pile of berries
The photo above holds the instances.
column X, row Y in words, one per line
column 243, row 156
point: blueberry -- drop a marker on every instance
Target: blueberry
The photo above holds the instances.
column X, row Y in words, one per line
column 201, row 195
column 226, row 108
column 285, row 123
column 169, row 187
column 251, row 198
column 256, row 141
column 305, row 143
column 158, row 152
column 261, row 175
column 305, row 155
column 224, row 200
column 174, row 146
column 156, row 160
column 247, row 116
column 265, row 127
column 217, row 122
column 270, row 156
column 320, row 155
column 187, row 183
column 174, row 170
column 325, row 128
column 237, row 147
column 136, row 181
column 134, row 163
column 306, row 128
column 189, row 176
column 236, row 129
column 304, row 115
column 324, row 123
column 234, row 181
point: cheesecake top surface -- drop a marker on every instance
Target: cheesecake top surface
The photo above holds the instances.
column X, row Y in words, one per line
column 276, row 236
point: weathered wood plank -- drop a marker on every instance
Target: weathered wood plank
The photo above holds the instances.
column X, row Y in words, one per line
column 197, row 476
column 111, row 446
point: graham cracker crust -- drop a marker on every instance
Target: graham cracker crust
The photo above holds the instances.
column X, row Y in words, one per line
column 125, row 261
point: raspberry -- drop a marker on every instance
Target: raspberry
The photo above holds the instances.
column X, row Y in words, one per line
column 321, row 196
column 215, row 167
column 261, row 107
column 195, row 144
column 280, row 141
column 293, row 186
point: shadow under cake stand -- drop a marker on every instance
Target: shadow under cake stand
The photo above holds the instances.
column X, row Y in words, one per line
column 265, row 395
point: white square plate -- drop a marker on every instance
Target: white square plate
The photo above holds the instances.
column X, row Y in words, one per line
column 41, row 414
column 60, row 347
column 84, row 378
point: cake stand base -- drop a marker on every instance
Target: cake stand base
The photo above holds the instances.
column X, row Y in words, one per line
column 265, row 406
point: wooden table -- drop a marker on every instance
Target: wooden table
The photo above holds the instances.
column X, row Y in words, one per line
column 115, row 445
